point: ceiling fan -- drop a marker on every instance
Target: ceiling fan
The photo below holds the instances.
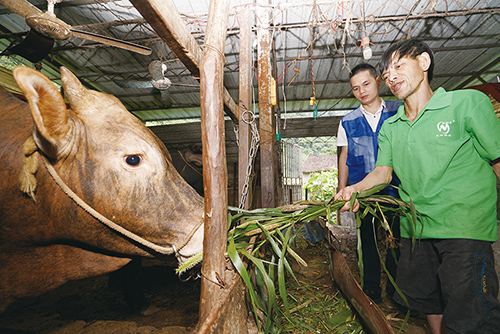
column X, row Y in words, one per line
column 157, row 71
column 47, row 25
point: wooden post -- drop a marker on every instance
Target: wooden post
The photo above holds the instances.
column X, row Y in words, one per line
column 266, row 117
column 245, row 103
column 214, row 156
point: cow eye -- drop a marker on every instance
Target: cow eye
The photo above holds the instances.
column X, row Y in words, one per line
column 133, row 160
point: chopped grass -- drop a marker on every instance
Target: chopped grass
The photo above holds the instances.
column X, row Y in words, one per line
column 259, row 246
column 314, row 312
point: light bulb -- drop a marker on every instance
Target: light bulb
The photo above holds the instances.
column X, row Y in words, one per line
column 367, row 50
column 367, row 53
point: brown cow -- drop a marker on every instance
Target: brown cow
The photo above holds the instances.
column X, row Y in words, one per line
column 109, row 161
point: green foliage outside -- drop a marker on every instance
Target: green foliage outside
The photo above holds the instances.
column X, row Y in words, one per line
column 321, row 186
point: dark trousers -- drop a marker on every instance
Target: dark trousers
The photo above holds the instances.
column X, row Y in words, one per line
column 371, row 260
column 452, row 277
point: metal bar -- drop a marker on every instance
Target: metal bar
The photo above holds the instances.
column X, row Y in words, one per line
column 278, row 188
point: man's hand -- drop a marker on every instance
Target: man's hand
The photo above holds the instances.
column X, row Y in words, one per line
column 346, row 194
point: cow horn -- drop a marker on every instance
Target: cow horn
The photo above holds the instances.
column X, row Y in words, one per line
column 78, row 96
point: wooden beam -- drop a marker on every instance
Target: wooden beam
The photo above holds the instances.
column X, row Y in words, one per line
column 245, row 103
column 479, row 77
column 467, row 82
column 189, row 133
column 266, row 117
column 214, row 157
column 169, row 26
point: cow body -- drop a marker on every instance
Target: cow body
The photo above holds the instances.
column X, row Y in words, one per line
column 110, row 160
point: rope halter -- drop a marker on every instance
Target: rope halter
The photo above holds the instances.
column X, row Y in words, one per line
column 30, row 186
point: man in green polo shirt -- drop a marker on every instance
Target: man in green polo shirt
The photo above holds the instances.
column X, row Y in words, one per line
column 445, row 149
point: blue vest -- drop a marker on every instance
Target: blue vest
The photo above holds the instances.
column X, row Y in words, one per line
column 362, row 143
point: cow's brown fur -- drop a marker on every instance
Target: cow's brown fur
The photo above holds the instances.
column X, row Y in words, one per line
column 44, row 244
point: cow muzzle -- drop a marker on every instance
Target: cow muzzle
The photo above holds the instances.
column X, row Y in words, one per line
column 193, row 247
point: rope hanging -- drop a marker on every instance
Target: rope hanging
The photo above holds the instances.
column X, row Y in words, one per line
column 27, row 177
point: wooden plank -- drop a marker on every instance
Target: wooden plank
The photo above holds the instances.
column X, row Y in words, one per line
column 169, row 26
column 214, row 157
column 245, row 102
column 266, row 116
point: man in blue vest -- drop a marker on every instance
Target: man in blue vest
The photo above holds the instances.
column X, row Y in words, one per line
column 357, row 140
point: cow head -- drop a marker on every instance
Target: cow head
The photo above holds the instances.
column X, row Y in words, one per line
column 114, row 164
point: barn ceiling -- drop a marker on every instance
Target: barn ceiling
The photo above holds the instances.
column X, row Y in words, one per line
column 314, row 44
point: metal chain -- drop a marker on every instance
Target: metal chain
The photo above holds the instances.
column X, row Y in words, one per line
column 254, row 145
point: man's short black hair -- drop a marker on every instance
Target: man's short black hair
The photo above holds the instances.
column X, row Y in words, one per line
column 411, row 48
column 363, row 67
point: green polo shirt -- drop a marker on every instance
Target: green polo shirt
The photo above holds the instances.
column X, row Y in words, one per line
column 442, row 159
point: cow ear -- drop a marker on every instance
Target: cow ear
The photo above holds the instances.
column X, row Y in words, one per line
column 47, row 109
column 79, row 98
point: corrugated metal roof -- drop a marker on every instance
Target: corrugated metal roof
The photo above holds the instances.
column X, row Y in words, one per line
column 315, row 44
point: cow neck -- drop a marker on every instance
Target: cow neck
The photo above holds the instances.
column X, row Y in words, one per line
column 157, row 248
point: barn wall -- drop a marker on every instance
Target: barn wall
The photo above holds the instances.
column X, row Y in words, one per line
column 232, row 171
column 190, row 133
column 178, row 136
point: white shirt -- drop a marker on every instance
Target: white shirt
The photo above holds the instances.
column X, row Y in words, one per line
column 372, row 119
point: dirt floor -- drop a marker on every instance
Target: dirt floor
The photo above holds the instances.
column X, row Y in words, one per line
column 89, row 306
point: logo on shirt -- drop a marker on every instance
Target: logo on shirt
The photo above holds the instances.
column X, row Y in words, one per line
column 444, row 129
